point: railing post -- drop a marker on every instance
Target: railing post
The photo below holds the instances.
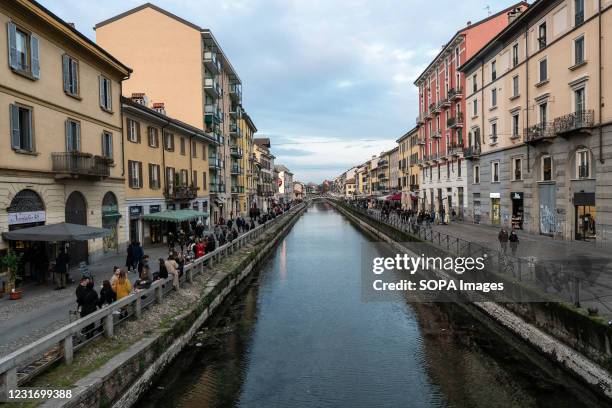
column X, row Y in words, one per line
column 8, row 381
column 109, row 329
column 190, row 275
column 159, row 293
column 68, row 349
column 138, row 306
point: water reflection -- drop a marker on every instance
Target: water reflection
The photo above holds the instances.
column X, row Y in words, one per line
column 300, row 336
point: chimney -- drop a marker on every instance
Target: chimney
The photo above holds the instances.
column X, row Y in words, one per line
column 140, row 98
column 469, row 23
column 72, row 25
column 514, row 14
column 160, row 107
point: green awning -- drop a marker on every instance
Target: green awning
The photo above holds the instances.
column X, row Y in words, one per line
column 175, row 215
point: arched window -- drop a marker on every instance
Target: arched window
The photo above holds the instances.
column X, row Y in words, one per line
column 26, row 201
column 583, row 164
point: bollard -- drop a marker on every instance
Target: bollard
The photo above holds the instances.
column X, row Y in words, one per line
column 138, row 306
column 190, row 275
column 8, row 381
column 109, row 329
column 68, row 349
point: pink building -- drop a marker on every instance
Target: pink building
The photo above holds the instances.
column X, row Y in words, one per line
column 441, row 115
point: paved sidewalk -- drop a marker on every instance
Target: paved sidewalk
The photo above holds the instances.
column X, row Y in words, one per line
column 43, row 309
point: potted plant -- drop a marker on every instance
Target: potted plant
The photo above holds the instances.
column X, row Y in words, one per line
column 11, row 262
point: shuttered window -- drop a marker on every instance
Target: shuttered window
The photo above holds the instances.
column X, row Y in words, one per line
column 204, row 184
column 70, row 69
column 106, row 101
column 22, row 135
column 194, row 179
column 23, row 51
column 153, row 133
column 73, row 135
column 133, row 130
column 107, row 145
column 169, row 141
column 154, row 182
column 135, row 174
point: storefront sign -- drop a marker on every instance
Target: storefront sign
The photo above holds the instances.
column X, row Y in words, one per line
column 26, row 217
column 135, row 212
column 154, row 209
column 516, row 195
column 494, row 195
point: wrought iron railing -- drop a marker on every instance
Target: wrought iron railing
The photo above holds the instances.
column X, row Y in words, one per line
column 80, row 164
column 471, row 152
column 574, row 121
column 539, row 132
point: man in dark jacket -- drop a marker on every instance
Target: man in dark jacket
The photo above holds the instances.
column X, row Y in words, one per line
column 61, row 269
column 87, row 299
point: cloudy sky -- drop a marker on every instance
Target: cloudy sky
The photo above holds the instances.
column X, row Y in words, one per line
column 329, row 81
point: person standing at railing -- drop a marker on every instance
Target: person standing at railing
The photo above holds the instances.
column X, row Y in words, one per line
column 122, row 286
column 171, row 266
column 87, row 300
column 200, row 249
column 211, row 244
column 107, row 295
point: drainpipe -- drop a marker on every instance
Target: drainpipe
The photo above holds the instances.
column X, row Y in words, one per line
column 163, row 146
column 121, row 117
column 527, row 99
column 600, row 102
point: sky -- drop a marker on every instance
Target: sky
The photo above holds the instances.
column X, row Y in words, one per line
column 330, row 82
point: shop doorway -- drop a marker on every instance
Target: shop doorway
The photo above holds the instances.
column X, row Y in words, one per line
column 517, row 210
column 585, row 216
column 495, row 211
column 76, row 213
column 110, row 220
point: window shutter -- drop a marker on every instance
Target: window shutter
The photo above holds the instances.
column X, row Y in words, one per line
column 66, row 69
column 137, row 131
column 109, row 99
column 131, row 173
column 139, row 174
column 110, row 145
column 12, row 44
column 101, row 80
column 77, row 129
column 34, row 56
column 15, row 139
column 151, row 176
column 69, row 146
column 75, row 76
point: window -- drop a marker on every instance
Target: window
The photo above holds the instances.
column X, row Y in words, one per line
column 22, row 132
column 182, row 146
column 169, row 176
column 582, row 164
column 493, row 132
column 515, row 86
column 543, row 70
column 204, row 152
column 517, row 169
column 494, row 172
column 474, row 82
column 543, row 113
column 154, row 181
column 438, row 172
column 73, row 136
column 459, row 168
column 542, row 36
column 579, row 101
column 169, row 141
column 106, row 101
column 493, row 71
column 475, row 105
column 579, row 12
column 183, row 177
column 515, row 55
column 547, row 168
column 204, row 184
column 515, row 125
column 579, row 50
column 476, row 174
column 153, row 134
column 23, row 52
column 194, row 179
column 135, row 174
column 107, row 145
column 194, row 147
column 494, row 97
column 447, row 170
column 133, row 130
column 70, row 69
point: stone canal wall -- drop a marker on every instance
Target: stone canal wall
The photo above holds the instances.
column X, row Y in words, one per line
column 121, row 380
column 579, row 343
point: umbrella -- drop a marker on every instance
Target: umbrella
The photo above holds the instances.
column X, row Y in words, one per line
column 57, row 232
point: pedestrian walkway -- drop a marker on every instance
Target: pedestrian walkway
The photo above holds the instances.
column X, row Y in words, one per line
column 43, row 309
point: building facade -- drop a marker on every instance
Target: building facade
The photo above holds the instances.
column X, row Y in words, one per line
column 264, row 161
column 285, row 184
column 59, row 94
column 394, row 177
column 408, row 157
column 441, row 115
column 538, row 135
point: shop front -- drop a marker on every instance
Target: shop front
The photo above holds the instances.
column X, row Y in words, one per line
column 110, row 221
column 585, row 216
column 156, row 230
column 495, row 208
column 135, row 212
column 517, row 209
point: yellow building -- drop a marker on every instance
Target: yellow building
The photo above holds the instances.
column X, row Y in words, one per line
column 167, row 167
column 538, row 125
column 59, row 100
column 349, row 188
column 199, row 88
column 409, row 168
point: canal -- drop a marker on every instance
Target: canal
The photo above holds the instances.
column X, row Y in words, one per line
column 299, row 335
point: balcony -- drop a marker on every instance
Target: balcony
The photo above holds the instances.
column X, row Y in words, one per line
column 445, row 103
column 212, row 88
column 79, row 164
column 211, row 62
column 455, row 121
column 472, row 152
column 235, row 91
column 237, row 189
column 577, row 122
column 180, row 193
column 435, row 108
column 540, row 133
column 427, row 114
column 436, row 134
column 236, row 169
column 236, row 112
column 236, row 152
column 455, row 93
column 382, row 176
column 215, row 163
column 383, row 163
column 414, row 187
column 421, row 141
column 235, row 130
column 216, row 188
column 212, row 114
column 455, row 149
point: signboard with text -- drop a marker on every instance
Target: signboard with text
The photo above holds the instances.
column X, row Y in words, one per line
column 26, row 217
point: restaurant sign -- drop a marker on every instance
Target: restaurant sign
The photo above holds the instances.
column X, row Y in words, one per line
column 26, row 217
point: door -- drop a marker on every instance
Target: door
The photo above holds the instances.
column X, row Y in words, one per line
column 495, row 211
column 585, row 223
column 76, row 213
column 548, row 216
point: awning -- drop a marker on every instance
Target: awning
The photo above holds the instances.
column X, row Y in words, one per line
column 57, row 232
column 175, row 215
column 394, row 197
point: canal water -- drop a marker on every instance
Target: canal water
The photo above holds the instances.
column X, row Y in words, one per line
column 299, row 335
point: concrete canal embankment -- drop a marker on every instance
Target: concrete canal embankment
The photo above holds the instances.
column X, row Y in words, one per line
column 579, row 343
column 118, row 370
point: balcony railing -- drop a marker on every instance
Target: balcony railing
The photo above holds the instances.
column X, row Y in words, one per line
column 436, row 134
column 213, row 114
column 217, row 187
column 455, row 93
column 211, row 62
column 574, row 122
column 81, row 164
column 419, row 120
column 421, row 141
column 455, row 149
column 215, row 162
column 180, row 192
column 237, row 169
column 235, row 130
column 539, row 133
column 235, row 91
column 236, row 151
column 383, row 163
column 472, row 152
column 212, row 87
column 435, row 107
column 237, row 189
column 455, row 121
column 236, row 112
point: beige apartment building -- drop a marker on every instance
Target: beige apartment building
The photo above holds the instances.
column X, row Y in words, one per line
column 408, row 156
column 201, row 88
column 538, row 125
column 243, row 188
column 167, row 168
column 264, row 162
column 59, row 98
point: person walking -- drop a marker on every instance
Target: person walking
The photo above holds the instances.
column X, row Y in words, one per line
column 122, row 286
column 61, row 269
column 138, row 255
column 514, row 241
column 107, row 295
column 503, row 240
column 129, row 258
column 87, row 300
